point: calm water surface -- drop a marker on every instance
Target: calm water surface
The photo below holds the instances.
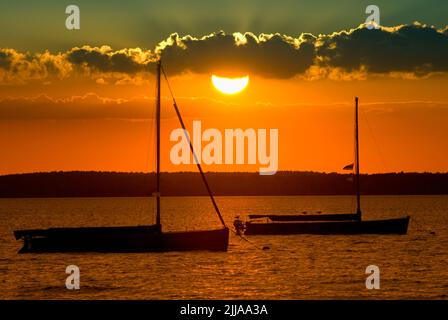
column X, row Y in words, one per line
column 296, row 267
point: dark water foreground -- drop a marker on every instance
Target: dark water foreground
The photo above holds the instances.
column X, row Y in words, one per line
column 295, row 267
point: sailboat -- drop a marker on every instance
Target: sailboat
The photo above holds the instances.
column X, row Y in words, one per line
column 325, row 224
column 149, row 238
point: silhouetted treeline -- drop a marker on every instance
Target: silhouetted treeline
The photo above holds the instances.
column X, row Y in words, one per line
column 114, row 184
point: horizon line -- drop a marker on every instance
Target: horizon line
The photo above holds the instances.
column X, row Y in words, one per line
column 214, row 172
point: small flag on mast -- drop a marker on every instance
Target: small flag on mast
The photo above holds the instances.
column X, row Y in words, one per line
column 349, row 167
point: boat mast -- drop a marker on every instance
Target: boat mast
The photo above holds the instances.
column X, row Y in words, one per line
column 204, row 180
column 159, row 66
column 358, row 195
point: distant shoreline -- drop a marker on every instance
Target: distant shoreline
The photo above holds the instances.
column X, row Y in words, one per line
column 285, row 183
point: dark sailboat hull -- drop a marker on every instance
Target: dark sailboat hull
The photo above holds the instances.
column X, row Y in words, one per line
column 121, row 239
column 389, row 226
column 306, row 217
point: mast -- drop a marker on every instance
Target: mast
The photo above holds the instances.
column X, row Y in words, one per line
column 159, row 66
column 358, row 195
column 204, row 180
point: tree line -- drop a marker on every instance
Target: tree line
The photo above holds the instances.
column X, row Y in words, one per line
column 118, row 184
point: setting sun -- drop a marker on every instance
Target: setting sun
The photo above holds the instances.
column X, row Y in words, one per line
column 230, row 85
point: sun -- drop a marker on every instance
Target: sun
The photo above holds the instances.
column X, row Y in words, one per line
column 230, row 85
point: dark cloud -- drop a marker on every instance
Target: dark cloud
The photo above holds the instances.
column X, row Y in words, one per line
column 106, row 60
column 5, row 60
column 410, row 49
column 413, row 48
column 272, row 56
column 18, row 67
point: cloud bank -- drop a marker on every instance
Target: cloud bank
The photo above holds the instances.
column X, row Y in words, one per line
column 95, row 107
column 88, row 106
column 271, row 56
column 414, row 50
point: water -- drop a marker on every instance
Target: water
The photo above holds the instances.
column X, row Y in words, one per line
column 296, row 267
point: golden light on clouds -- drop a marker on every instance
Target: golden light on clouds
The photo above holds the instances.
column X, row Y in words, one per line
column 230, row 85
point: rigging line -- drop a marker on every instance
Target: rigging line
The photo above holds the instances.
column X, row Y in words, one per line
column 209, row 191
column 378, row 149
column 248, row 241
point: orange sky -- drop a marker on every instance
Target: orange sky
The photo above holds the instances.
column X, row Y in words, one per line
column 83, row 99
column 403, row 123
